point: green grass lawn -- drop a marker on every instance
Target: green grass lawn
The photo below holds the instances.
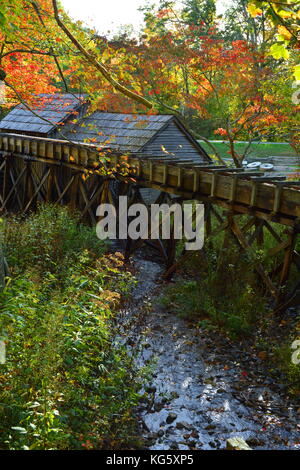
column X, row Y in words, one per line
column 257, row 150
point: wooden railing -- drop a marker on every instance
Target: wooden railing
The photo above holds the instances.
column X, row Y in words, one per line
column 237, row 189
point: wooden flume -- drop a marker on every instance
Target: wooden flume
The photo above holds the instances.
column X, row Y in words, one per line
column 34, row 169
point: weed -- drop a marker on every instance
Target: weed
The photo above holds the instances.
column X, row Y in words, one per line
column 65, row 384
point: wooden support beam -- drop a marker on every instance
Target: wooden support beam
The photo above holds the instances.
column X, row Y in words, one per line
column 282, row 246
column 250, row 222
column 265, row 199
column 66, row 188
column 103, row 192
column 272, row 231
column 277, row 199
column 36, row 191
column 257, row 265
column 179, row 177
column 83, row 190
column 213, row 184
column 13, row 188
column 258, row 233
column 288, row 257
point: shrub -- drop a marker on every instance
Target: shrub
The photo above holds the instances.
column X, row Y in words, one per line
column 49, row 240
column 65, row 384
column 224, row 292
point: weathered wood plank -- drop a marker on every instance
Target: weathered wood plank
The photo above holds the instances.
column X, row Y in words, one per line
column 269, row 200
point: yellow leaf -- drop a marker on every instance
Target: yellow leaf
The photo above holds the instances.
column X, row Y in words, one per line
column 285, row 14
column 283, row 31
column 254, row 11
column 297, row 72
column 262, row 355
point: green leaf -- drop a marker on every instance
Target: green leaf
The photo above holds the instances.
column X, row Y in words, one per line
column 279, row 51
column 297, row 72
column 2, row 19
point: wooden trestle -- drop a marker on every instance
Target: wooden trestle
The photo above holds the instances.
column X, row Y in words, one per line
column 35, row 169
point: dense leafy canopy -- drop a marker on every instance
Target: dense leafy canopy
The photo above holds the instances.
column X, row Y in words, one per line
column 223, row 76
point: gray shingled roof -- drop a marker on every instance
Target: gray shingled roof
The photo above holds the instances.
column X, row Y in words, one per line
column 55, row 108
column 125, row 132
column 135, row 133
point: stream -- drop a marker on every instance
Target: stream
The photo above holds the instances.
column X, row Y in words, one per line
column 199, row 394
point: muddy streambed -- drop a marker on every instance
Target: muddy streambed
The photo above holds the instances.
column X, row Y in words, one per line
column 198, row 395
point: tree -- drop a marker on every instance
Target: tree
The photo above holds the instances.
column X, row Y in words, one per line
column 239, row 24
column 194, row 72
column 198, row 12
column 41, row 47
column 25, row 52
column 285, row 17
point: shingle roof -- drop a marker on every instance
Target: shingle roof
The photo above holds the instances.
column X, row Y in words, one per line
column 135, row 133
column 125, row 132
column 55, row 108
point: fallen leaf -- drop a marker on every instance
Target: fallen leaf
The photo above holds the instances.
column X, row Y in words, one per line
column 262, row 355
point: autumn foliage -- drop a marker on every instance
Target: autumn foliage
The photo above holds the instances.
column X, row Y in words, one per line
column 232, row 89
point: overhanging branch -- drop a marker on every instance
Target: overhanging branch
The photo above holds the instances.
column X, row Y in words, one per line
column 100, row 67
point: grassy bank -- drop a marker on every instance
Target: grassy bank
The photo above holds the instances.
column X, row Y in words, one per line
column 64, row 384
column 257, row 150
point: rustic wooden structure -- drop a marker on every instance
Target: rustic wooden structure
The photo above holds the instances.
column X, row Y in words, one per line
column 158, row 135
column 36, row 169
column 49, row 116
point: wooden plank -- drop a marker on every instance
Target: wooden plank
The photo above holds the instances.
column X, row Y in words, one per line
column 282, row 205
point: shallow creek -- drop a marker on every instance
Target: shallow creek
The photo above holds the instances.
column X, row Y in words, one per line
column 198, row 396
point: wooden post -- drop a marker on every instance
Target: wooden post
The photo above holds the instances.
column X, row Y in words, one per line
column 28, row 189
column 6, row 180
column 207, row 208
column 222, row 255
column 287, row 262
column 50, row 185
column 257, row 265
column 74, row 191
column 259, row 224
